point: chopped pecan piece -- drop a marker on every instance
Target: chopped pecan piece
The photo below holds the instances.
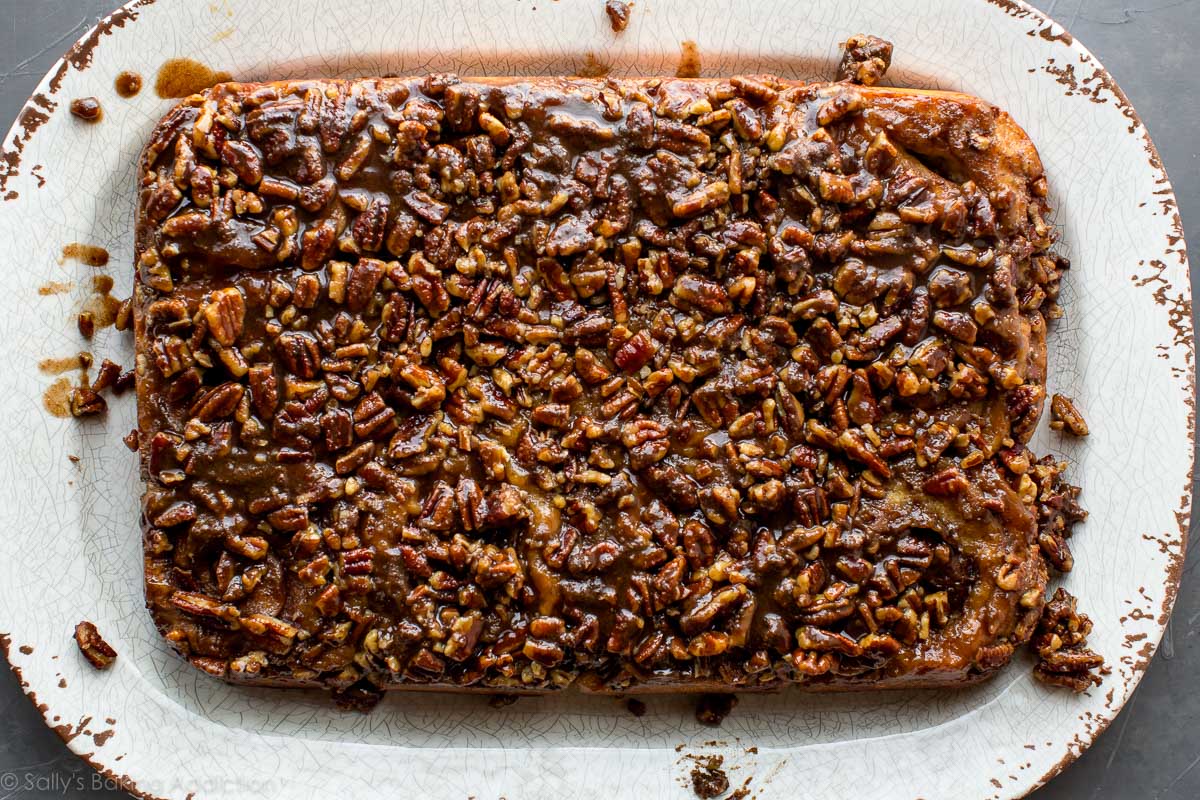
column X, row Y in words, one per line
column 98, row 652
column 1064, row 415
column 618, row 14
column 84, row 402
column 226, row 314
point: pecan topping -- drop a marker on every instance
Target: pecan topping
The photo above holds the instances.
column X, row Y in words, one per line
column 519, row 385
column 948, row 482
column 225, row 313
column 218, row 402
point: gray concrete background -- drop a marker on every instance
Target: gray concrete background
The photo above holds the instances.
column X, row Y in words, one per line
column 1152, row 750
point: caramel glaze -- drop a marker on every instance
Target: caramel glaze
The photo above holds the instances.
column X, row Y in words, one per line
column 180, row 77
column 101, row 304
column 55, row 287
column 57, row 366
column 977, row 182
column 689, row 60
column 128, row 84
column 88, row 254
column 57, row 398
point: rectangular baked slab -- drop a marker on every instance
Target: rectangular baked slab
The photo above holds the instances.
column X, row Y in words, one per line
column 631, row 385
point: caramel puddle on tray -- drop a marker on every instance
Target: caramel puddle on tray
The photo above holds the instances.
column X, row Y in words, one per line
column 57, row 399
column 88, row 254
column 57, row 366
column 689, row 60
column 55, row 287
column 128, row 84
column 102, row 305
column 180, row 77
column 593, row 67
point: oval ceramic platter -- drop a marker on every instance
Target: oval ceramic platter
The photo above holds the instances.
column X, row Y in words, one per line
column 71, row 547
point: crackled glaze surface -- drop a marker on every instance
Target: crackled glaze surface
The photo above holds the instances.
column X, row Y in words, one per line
column 1124, row 351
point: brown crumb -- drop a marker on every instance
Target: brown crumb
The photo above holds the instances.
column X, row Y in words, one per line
column 97, row 651
column 361, row 697
column 87, row 109
column 131, row 440
column 502, row 700
column 712, row 709
column 708, row 779
column 618, row 14
column 636, row 707
column 742, row 791
column 1065, row 415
